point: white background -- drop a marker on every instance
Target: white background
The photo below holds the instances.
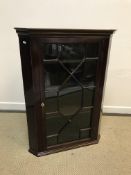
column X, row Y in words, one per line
column 88, row 14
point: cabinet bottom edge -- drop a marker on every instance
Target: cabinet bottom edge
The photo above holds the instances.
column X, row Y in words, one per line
column 64, row 148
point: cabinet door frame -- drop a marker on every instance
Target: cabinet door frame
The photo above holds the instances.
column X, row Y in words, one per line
column 37, row 61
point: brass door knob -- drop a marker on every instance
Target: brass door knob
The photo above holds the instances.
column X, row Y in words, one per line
column 42, row 104
column 24, row 42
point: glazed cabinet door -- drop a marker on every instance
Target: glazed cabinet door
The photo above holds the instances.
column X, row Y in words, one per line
column 70, row 78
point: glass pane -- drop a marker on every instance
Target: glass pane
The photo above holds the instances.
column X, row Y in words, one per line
column 50, row 102
column 52, row 140
column 54, row 77
column 70, row 99
column 72, row 129
column 72, row 52
column 51, row 51
column 70, row 76
column 67, row 52
column 92, row 49
column 88, row 97
column 54, row 123
column 60, row 130
column 84, row 133
column 86, row 74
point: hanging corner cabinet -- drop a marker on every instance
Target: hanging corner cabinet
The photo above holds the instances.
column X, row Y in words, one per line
column 63, row 75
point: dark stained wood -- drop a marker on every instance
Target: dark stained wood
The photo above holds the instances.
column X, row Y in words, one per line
column 33, row 79
column 99, row 86
column 60, row 32
column 28, row 90
column 67, row 146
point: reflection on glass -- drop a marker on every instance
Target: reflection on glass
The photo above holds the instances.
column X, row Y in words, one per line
column 67, row 52
column 51, row 51
column 70, row 76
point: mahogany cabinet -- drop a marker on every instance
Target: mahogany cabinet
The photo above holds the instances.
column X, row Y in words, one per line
column 63, row 75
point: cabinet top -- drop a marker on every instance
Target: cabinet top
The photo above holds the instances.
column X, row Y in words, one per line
column 53, row 31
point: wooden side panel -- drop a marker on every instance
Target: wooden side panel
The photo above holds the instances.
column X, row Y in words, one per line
column 99, row 86
column 28, row 89
column 31, row 81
